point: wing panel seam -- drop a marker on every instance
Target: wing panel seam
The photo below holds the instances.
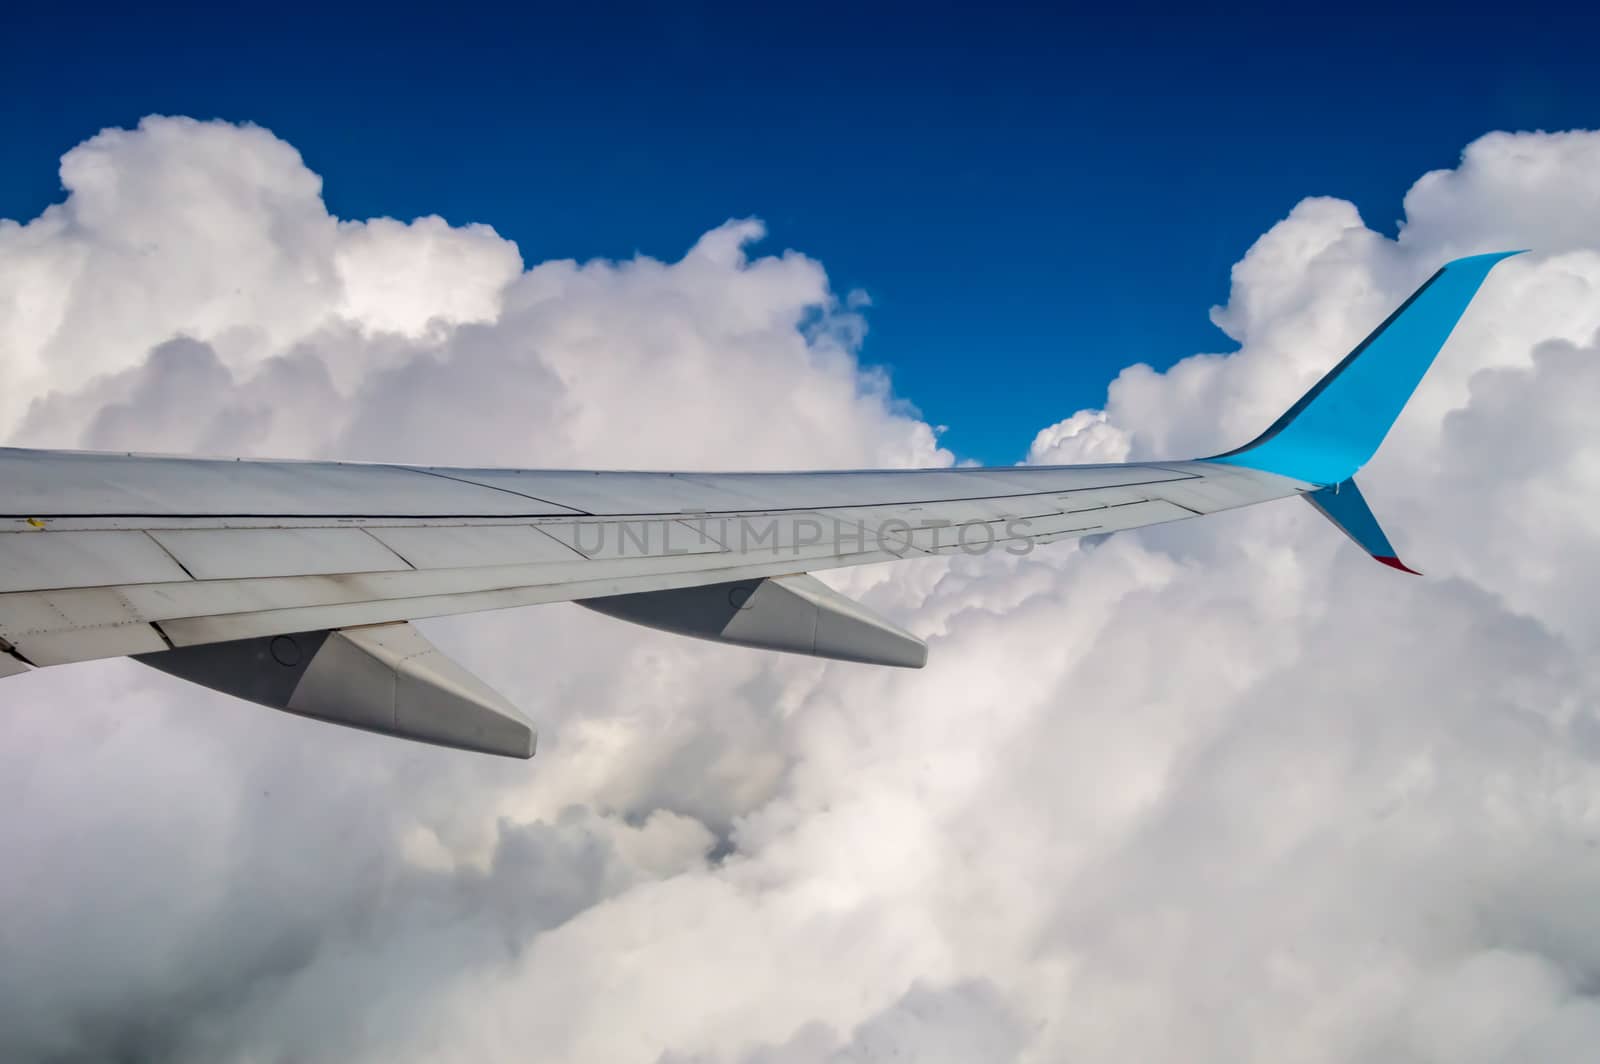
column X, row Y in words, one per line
column 491, row 487
column 162, row 547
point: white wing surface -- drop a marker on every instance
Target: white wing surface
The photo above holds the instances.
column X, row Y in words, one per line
column 103, row 555
column 290, row 583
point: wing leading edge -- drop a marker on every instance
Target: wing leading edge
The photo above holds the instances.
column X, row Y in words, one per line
column 200, row 567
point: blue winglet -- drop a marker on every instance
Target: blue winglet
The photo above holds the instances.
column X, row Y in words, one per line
column 1344, row 505
column 1337, row 426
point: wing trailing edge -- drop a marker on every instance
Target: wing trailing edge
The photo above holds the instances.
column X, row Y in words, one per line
column 10, row 664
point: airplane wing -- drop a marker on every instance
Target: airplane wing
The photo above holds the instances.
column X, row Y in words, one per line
column 292, row 583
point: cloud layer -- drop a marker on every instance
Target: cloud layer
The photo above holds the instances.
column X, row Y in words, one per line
column 1219, row 791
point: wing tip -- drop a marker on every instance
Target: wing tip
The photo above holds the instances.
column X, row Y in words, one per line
column 1487, row 259
column 1337, row 426
column 1395, row 563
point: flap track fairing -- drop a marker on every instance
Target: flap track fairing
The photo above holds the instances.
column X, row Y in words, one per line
column 384, row 678
column 798, row 614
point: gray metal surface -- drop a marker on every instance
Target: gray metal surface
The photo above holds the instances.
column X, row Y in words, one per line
column 609, row 540
column 390, row 679
column 797, row 613
column 471, row 546
column 63, row 644
column 59, row 483
column 97, row 583
column 240, row 553
column 265, row 671
column 387, row 679
column 216, row 571
column 35, row 560
column 10, row 666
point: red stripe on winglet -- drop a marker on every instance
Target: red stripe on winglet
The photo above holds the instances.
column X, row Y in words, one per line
column 1395, row 563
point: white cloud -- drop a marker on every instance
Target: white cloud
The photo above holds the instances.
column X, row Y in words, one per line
column 1220, row 791
column 1085, row 437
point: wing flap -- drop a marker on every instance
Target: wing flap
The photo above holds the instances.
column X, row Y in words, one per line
column 36, row 559
column 471, row 546
column 643, row 537
column 10, row 665
column 62, row 646
column 238, row 553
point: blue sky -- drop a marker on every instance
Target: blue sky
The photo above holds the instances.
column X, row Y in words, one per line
column 1033, row 199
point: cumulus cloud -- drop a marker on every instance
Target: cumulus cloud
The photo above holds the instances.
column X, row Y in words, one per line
column 1218, row 791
